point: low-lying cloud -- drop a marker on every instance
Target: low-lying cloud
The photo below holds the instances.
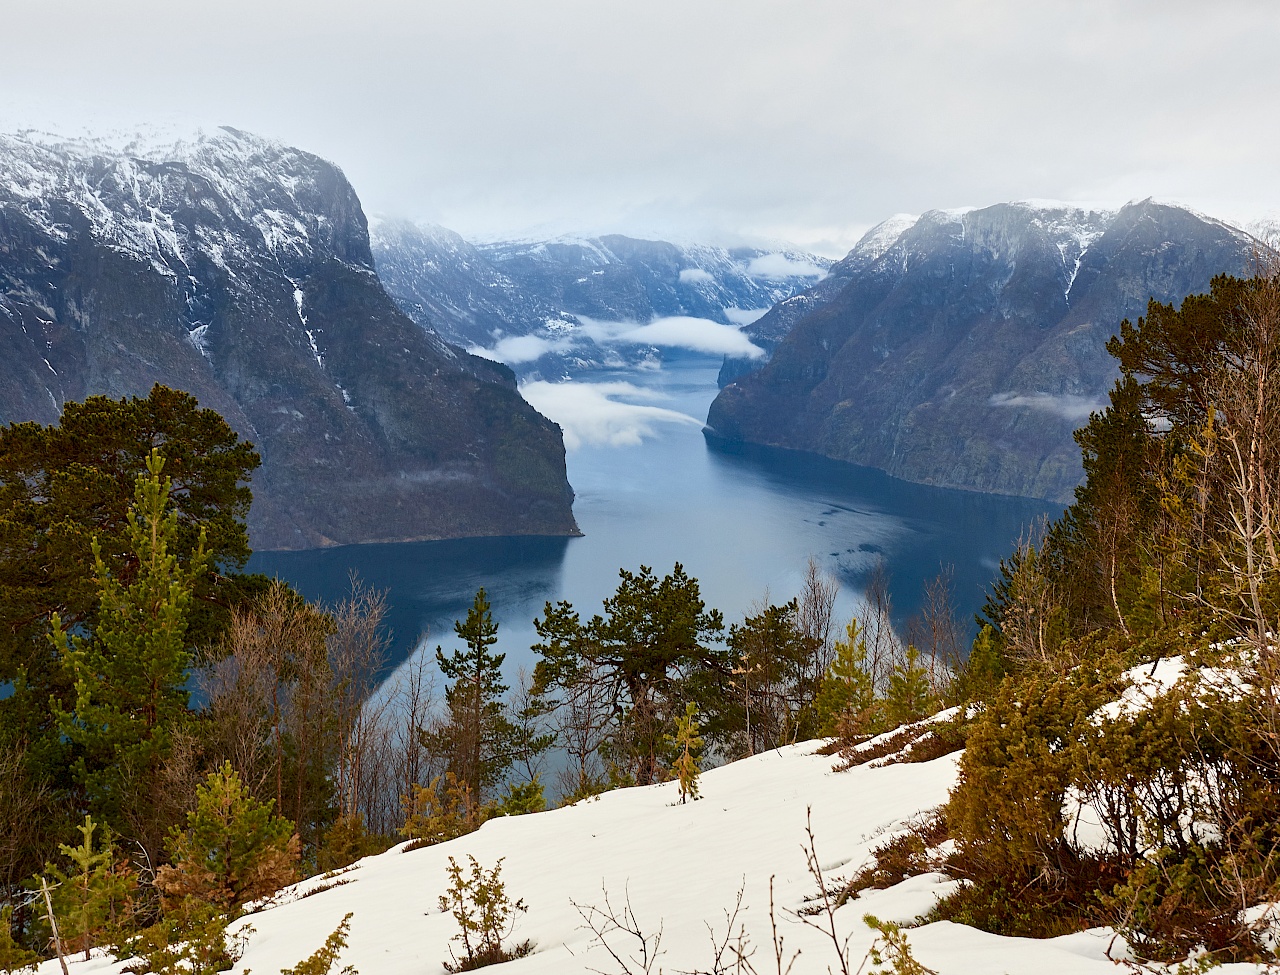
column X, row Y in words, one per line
column 518, row 349
column 745, row 316
column 778, row 267
column 696, row 275
column 676, row 332
column 1066, row 405
column 594, row 413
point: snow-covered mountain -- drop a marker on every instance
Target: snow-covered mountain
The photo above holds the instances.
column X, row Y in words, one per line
column 239, row 269
column 550, row 307
column 963, row 347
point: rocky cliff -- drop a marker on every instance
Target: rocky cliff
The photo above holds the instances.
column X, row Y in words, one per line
column 240, row 270
column 963, row 348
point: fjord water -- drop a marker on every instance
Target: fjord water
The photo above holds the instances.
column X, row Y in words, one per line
column 742, row 521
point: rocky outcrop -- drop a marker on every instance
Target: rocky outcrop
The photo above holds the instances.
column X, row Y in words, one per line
column 966, row 351
column 240, row 270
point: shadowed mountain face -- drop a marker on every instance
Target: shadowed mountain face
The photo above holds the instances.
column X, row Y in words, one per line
column 539, row 305
column 966, row 350
column 240, row 270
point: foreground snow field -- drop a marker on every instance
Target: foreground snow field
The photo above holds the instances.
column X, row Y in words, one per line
column 680, row 865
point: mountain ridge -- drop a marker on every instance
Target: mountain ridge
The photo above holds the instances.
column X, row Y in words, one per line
column 240, row 270
column 880, row 364
column 539, row 304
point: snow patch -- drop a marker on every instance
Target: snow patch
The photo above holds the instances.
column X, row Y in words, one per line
column 197, row 338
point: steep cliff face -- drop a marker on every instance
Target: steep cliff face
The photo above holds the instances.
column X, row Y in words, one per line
column 539, row 304
column 966, row 352
column 240, row 270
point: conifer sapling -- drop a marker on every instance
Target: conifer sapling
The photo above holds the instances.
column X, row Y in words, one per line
column 478, row 901
column 688, row 746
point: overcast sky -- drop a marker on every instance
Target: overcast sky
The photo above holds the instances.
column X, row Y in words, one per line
column 808, row 120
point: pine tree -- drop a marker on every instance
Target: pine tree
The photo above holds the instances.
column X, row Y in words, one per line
column 479, row 738
column 321, row 962
column 13, row 957
column 982, row 670
column 92, row 896
column 523, row 799
column 775, row 674
column 907, row 698
column 233, row 850
column 130, row 676
column 648, row 652
column 441, row 811
column 61, row 487
column 485, row 913
column 687, row 766
column 848, row 689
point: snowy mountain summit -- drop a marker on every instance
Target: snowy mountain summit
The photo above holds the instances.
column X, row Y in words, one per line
column 239, row 269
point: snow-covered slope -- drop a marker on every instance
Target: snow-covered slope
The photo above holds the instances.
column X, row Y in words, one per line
column 679, row 867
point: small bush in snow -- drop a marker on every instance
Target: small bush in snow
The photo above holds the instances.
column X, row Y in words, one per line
column 478, row 900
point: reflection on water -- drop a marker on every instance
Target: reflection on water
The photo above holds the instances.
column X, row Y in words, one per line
column 742, row 520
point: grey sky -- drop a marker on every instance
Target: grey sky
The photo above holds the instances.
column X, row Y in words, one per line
column 808, row 120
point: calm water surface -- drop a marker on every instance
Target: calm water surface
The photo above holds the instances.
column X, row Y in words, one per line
column 742, row 522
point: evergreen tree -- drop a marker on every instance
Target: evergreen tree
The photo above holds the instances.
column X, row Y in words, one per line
column 908, row 697
column 982, row 670
column 64, row 486
column 233, row 849
column 92, row 896
column 650, row 652
column 441, row 811
column 523, row 799
column 479, row 739
column 322, row 960
column 773, row 677
column 485, row 913
column 848, row 689
column 13, row 957
column 130, row 676
column 688, row 748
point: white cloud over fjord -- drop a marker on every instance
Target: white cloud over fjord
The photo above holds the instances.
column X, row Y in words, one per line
column 594, row 414
column 518, row 349
column 675, row 332
column 745, row 316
